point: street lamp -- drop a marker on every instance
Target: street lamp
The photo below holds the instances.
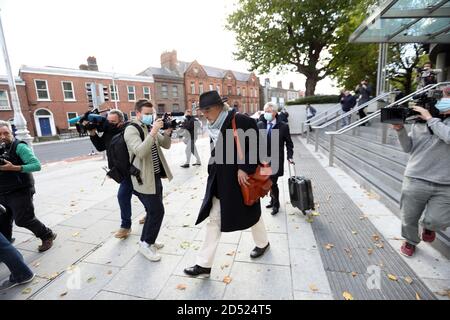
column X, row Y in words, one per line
column 20, row 123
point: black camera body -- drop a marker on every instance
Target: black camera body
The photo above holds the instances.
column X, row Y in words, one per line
column 4, row 154
column 171, row 123
column 94, row 119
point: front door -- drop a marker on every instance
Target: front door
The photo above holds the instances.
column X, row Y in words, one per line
column 46, row 129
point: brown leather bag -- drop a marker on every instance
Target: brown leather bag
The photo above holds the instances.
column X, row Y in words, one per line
column 259, row 182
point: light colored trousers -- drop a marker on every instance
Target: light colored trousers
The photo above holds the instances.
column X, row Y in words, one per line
column 206, row 254
column 424, row 203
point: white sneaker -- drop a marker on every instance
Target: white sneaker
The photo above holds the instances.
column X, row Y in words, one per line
column 149, row 251
column 158, row 245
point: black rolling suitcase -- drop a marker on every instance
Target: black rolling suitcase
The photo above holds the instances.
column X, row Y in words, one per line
column 300, row 192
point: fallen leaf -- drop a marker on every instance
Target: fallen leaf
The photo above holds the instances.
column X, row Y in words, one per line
column 226, row 265
column 362, row 218
column 181, row 286
column 354, row 232
column 444, row 293
column 37, row 264
column 231, row 253
column 408, row 280
column 354, row 274
column 309, row 220
column 26, row 291
column 63, row 294
column 418, row 297
column 90, row 279
column 185, row 225
column 379, row 245
column 185, row 244
column 397, row 238
column 369, row 251
column 76, row 234
column 53, row 276
column 315, row 214
column 227, row 279
column 375, row 237
column 313, row 288
column 109, row 272
column 392, row 277
column 347, row 295
column 329, row 246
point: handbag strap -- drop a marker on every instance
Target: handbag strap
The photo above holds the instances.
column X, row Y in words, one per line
column 236, row 138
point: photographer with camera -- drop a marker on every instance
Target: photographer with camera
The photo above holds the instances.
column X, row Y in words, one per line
column 426, row 75
column 426, row 185
column 190, row 136
column 148, row 160
column 364, row 90
column 115, row 124
column 17, row 162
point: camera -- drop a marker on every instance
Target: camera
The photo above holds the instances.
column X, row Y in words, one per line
column 95, row 121
column 4, row 154
column 402, row 114
column 169, row 123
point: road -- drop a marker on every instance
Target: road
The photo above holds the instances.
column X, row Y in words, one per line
column 63, row 150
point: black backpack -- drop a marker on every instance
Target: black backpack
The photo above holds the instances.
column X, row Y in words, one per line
column 119, row 159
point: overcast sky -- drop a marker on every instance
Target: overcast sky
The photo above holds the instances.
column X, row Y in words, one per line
column 127, row 36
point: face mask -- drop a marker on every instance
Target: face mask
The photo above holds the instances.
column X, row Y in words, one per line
column 443, row 105
column 268, row 116
column 147, row 119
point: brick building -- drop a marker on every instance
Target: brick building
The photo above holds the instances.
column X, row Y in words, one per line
column 240, row 88
column 54, row 95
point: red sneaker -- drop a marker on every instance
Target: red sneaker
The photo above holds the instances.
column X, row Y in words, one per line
column 407, row 249
column 428, row 235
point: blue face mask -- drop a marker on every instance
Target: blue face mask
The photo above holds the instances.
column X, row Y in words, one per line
column 268, row 116
column 443, row 105
column 147, row 119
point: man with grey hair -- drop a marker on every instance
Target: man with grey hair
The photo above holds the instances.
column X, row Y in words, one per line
column 270, row 123
column 17, row 162
column 115, row 124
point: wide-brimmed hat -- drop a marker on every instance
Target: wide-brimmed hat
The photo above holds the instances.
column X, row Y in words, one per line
column 211, row 98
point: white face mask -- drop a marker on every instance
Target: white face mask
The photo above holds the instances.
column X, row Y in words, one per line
column 268, row 116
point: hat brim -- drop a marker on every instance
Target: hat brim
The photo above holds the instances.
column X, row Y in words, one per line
column 224, row 99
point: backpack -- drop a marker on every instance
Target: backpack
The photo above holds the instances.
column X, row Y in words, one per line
column 118, row 156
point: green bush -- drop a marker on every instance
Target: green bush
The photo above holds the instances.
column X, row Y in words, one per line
column 315, row 100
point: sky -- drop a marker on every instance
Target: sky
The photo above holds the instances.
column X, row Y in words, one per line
column 125, row 36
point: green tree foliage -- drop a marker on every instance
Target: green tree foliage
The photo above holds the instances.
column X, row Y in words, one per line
column 289, row 34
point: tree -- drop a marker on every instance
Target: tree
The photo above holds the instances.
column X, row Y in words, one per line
column 353, row 62
column 405, row 59
column 289, row 34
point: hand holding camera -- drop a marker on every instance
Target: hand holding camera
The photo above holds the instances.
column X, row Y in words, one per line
column 157, row 125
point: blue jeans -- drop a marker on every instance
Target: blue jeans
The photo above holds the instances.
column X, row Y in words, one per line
column 154, row 207
column 124, row 197
column 14, row 261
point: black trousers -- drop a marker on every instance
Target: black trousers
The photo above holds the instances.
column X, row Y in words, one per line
column 275, row 192
column 154, row 208
column 20, row 209
column 361, row 113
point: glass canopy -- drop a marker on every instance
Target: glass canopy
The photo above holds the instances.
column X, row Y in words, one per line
column 424, row 21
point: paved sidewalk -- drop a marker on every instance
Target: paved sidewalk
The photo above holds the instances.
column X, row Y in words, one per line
column 87, row 262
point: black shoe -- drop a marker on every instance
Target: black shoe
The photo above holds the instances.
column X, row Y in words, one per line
column 270, row 205
column 47, row 243
column 197, row 164
column 186, row 165
column 197, row 270
column 275, row 211
column 258, row 252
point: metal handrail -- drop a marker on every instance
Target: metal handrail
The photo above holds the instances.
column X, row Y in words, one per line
column 354, row 110
column 356, row 124
column 318, row 117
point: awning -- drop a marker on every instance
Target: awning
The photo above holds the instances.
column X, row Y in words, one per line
column 406, row 21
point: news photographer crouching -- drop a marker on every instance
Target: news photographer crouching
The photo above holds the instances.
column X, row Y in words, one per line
column 425, row 195
column 17, row 162
column 115, row 124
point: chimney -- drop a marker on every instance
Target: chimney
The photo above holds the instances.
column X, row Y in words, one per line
column 169, row 60
column 280, row 84
column 83, row 67
column 92, row 64
column 291, row 86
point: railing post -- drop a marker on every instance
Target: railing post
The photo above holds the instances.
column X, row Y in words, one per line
column 308, row 128
column 384, row 130
column 317, row 140
column 331, row 151
column 303, row 128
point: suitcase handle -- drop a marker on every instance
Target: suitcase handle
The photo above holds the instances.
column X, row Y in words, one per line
column 289, row 165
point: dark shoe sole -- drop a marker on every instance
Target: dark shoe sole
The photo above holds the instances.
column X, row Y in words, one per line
column 53, row 239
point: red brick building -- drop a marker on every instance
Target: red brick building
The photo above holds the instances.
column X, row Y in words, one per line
column 55, row 95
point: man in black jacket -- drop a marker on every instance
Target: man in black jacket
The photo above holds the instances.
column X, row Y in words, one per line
column 113, row 126
column 189, row 138
column 270, row 123
column 348, row 102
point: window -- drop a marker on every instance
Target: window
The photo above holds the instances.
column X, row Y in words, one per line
column 175, row 91
column 176, row 107
column 164, row 91
column 200, row 88
column 211, row 87
column 161, row 108
column 193, row 105
column 4, row 100
column 114, row 92
column 132, row 115
column 131, row 93
column 218, row 88
column 251, row 92
column 71, row 115
column 147, row 93
column 192, row 88
column 238, row 91
column 41, row 90
column 244, row 91
column 230, row 92
column 67, row 87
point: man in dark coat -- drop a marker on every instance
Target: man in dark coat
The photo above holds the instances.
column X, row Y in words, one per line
column 189, row 138
column 270, row 123
column 223, row 201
